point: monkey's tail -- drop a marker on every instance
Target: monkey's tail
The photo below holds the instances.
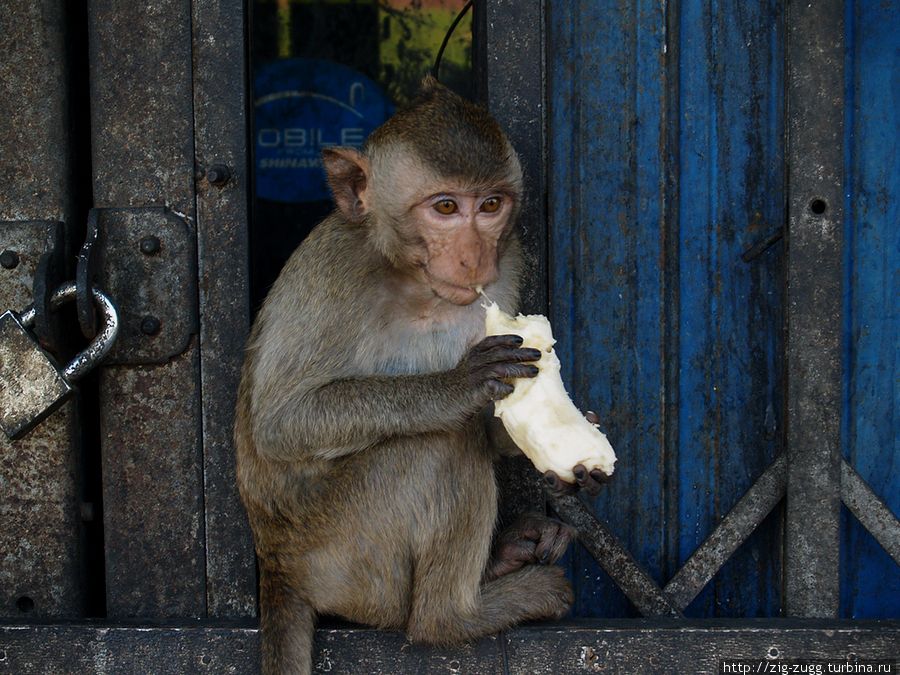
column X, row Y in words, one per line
column 288, row 624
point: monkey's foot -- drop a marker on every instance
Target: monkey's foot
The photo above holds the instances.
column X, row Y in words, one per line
column 532, row 539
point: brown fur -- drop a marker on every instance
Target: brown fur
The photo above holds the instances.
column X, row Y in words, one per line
column 362, row 458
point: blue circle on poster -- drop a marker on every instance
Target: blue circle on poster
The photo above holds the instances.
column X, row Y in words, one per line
column 300, row 107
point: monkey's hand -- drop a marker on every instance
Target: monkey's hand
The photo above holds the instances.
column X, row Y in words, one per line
column 532, row 539
column 484, row 370
column 589, row 481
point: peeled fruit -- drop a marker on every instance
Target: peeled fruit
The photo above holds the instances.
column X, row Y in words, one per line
column 539, row 415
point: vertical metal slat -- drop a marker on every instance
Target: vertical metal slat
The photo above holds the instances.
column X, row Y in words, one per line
column 221, row 138
column 40, row 549
column 815, row 99
column 143, row 154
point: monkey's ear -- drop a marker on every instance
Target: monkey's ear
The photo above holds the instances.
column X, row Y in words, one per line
column 348, row 177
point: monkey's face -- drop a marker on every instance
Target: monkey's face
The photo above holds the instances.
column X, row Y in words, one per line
column 459, row 234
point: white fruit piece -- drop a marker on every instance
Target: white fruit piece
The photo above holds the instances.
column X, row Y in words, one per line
column 539, row 415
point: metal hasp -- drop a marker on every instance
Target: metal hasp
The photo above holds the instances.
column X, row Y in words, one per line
column 815, row 103
column 145, row 258
column 32, row 386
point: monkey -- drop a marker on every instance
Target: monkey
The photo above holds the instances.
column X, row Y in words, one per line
column 363, row 454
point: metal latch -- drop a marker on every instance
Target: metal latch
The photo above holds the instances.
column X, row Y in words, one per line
column 32, row 386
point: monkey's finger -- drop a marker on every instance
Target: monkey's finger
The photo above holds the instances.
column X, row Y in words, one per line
column 600, row 477
column 586, row 480
column 504, row 370
column 592, row 417
column 557, row 545
column 589, row 482
column 522, row 550
column 492, row 341
column 558, row 487
column 498, row 389
column 545, row 544
column 507, row 355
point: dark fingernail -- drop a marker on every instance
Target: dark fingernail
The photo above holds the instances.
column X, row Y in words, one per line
column 518, row 339
column 545, row 557
column 579, row 473
column 550, row 478
column 533, row 371
column 533, row 354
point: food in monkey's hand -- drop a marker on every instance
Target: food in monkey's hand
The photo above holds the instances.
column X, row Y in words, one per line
column 539, row 415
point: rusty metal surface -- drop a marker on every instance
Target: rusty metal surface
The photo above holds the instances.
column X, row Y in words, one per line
column 40, row 568
column 142, row 149
column 31, row 386
column 615, row 560
column 626, row 647
column 815, row 99
column 161, row 284
column 873, row 513
column 152, row 490
column 509, row 48
column 733, row 531
column 34, row 163
column 222, row 212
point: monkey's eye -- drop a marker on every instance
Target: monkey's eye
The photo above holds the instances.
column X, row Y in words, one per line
column 491, row 204
column 446, row 207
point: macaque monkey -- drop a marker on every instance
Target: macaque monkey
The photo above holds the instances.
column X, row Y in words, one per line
column 362, row 448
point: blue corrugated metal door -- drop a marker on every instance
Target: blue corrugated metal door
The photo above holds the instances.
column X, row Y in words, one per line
column 667, row 201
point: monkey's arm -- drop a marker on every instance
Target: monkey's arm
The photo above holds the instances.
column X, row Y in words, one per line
column 348, row 415
column 497, row 436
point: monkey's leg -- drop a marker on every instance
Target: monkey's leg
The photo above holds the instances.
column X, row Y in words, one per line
column 533, row 592
column 288, row 624
column 533, row 538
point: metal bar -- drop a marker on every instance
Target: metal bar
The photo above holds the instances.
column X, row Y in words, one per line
column 40, row 538
column 629, row 646
column 142, row 142
column 220, row 127
column 615, row 560
column 871, row 512
column 624, row 646
column 510, row 35
column 734, row 529
column 815, row 86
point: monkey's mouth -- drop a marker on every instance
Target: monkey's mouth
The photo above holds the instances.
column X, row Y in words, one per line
column 455, row 293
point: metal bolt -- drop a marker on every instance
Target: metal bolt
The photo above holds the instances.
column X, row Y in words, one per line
column 150, row 245
column 218, row 174
column 9, row 259
column 150, row 325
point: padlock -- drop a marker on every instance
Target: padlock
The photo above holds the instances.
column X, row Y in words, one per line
column 32, row 386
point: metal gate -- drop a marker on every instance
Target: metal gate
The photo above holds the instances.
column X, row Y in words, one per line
column 709, row 228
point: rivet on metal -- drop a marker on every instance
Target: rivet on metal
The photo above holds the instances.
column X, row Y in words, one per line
column 150, row 245
column 150, row 325
column 9, row 259
column 218, row 174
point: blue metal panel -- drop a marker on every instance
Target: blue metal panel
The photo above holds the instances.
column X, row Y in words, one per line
column 730, row 196
column 666, row 164
column 871, row 580
column 607, row 73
